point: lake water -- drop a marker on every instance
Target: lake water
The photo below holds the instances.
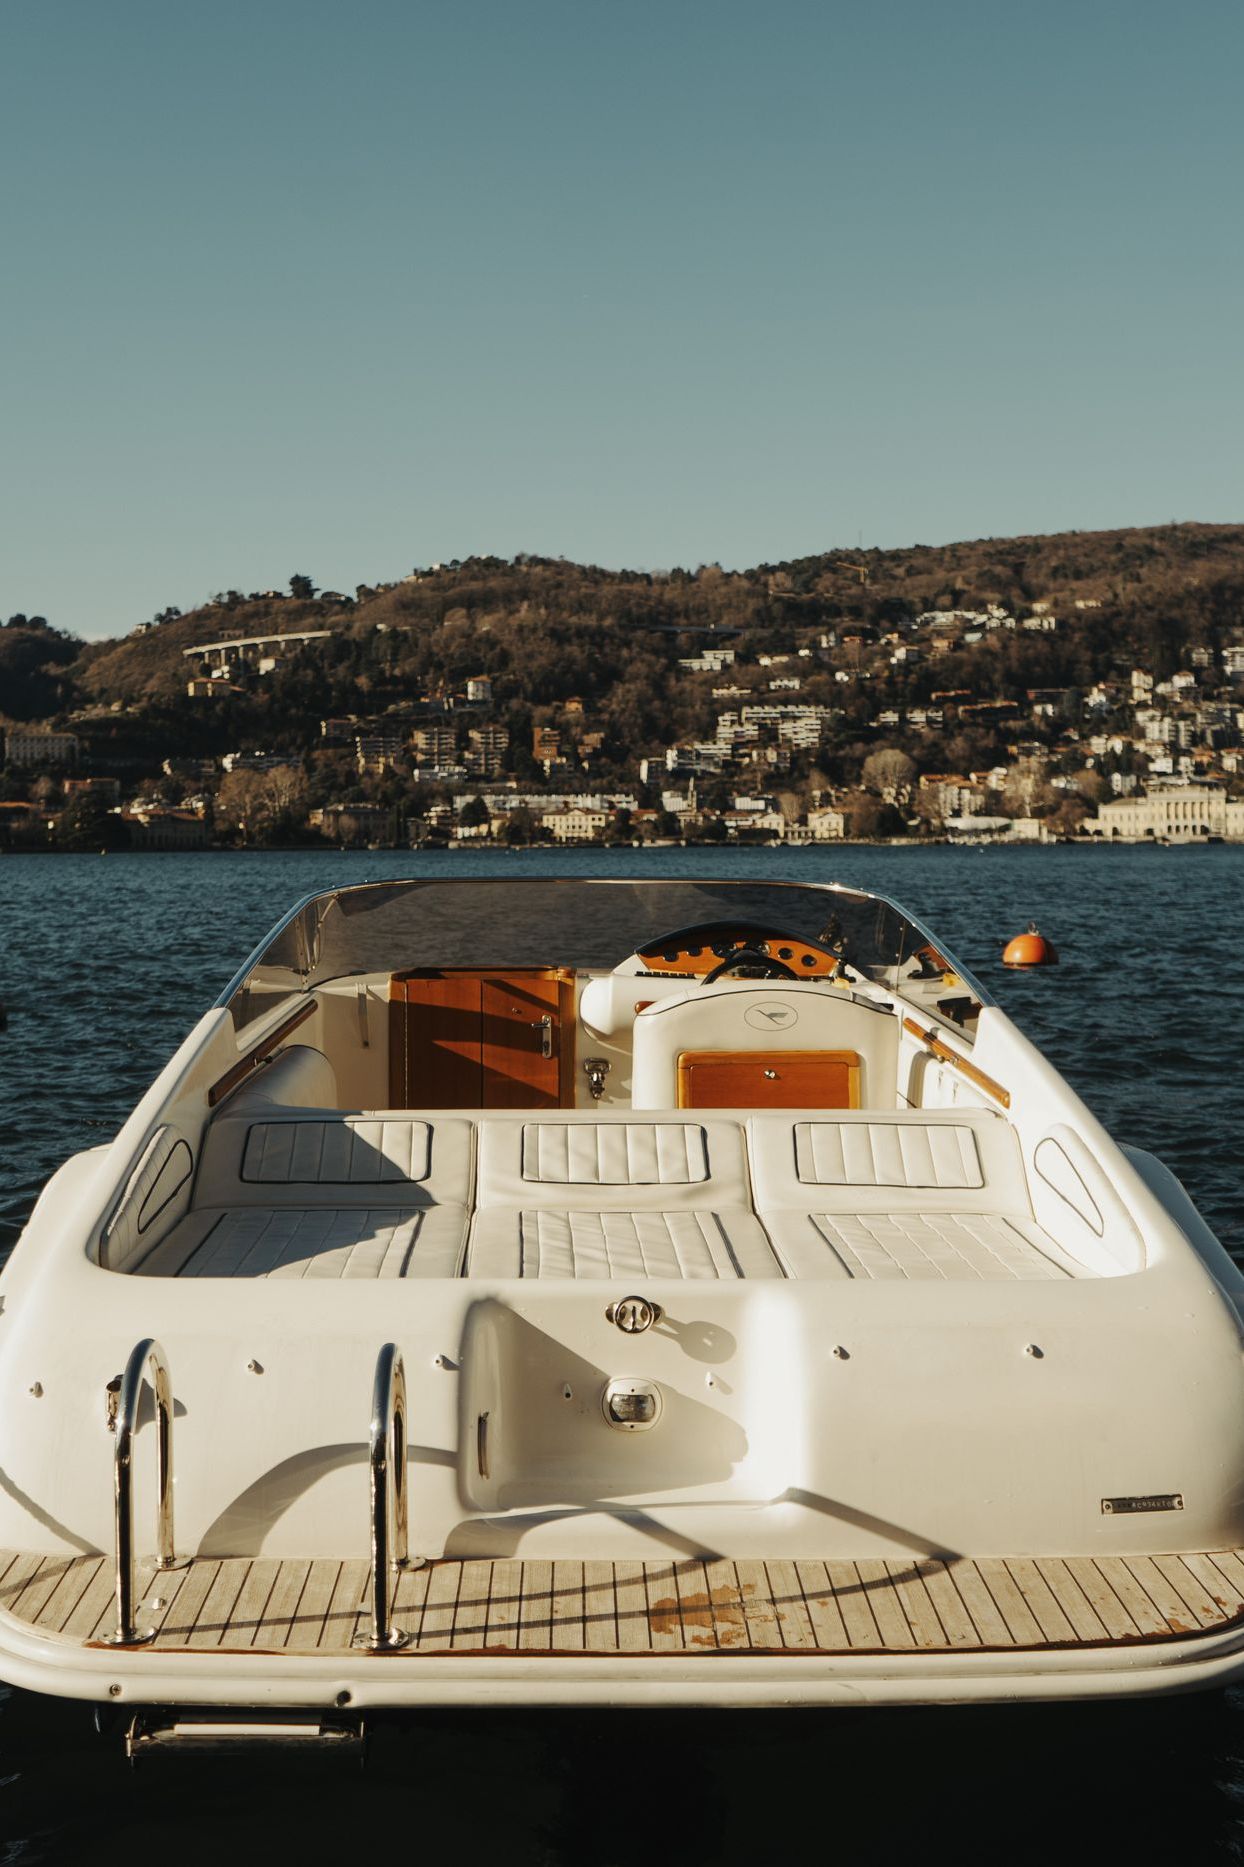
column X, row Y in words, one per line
column 104, row 965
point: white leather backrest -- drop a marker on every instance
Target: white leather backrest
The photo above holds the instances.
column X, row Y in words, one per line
column 741, row 1015
column 930, row 1160
column 1075, row 1202
column 298, row 1077
column 350, row 1149
column 370, row 1157
column 873, row 1153
column 615, row 1153
column 156, row 1196
column 582, row 1160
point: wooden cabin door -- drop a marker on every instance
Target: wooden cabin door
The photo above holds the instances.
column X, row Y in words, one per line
column 483, row 1039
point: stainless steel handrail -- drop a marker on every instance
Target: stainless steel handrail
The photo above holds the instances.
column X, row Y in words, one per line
column 147, row 1358
column 387, row 1456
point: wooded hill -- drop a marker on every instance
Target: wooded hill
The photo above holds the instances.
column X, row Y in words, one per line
column 547, row 631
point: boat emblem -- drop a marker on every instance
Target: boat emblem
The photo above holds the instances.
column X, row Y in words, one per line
column 772, row 1017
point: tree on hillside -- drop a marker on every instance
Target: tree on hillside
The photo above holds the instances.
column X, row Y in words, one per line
column 301, row 586
column 263, row 805
column 890, row 773
column 87, row 823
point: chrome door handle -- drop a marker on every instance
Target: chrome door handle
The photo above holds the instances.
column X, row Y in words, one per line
column 545, row 1027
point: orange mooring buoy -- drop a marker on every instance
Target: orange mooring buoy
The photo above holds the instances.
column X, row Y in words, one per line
column 1030, row 949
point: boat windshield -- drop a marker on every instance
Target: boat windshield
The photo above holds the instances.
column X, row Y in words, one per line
column 586, row 925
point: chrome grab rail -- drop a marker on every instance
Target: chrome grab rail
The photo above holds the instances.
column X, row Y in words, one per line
column 147, row 1357
column 387, row 1455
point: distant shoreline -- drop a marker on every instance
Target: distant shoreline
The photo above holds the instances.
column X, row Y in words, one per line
column 622, row 849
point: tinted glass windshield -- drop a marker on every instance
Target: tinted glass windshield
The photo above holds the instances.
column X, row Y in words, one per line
column 587, row 925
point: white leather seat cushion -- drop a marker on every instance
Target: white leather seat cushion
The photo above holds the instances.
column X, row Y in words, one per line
column 676, row 1165
column 572, row 1244
column 312, row 1243
column 931, row 1247
column 366, row 1158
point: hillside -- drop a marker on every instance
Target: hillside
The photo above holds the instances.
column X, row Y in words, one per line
column 1076, row 664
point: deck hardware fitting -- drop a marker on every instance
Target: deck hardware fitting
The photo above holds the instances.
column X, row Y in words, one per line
column 1037, row 1354
column 840, row 1353
column 256, row 1367
column 596, row 1069
column 386, row 1459
column 481, row 1444
column 147, row 1360
column 567, row 1392
column 772, row 1075
column 634, row 1314
column 114, row 1691
column 446, row 1362
column 37, row 1390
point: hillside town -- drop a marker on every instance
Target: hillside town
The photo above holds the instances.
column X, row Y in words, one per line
column 774, row 707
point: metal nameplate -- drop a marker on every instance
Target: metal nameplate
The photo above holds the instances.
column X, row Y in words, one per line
column 1156, row 1500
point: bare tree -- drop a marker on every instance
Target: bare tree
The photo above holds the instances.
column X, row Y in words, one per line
column 890, row 773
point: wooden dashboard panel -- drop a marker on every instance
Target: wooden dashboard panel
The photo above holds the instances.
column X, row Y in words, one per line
column 769, row 1079
column 805, row 961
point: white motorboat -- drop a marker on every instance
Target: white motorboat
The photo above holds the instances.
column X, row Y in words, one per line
column 585, row 1292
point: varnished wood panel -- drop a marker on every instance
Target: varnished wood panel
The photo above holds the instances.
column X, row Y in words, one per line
column 435, row 1040
column 473, row 1039
column 769, row 1079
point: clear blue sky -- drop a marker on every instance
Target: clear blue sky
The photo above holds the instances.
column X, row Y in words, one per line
column 345, row 288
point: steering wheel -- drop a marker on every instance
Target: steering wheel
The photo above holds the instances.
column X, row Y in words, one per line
column 768, row 965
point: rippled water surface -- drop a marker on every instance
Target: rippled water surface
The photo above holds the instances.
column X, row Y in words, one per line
column 104, row 965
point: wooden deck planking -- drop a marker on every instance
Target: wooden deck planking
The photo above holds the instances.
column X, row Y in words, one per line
column 922, row 1617
column 566, row 1633
column 1024, row 1627
column 630, row 1595
column 282, row 1605
column 1085, row 1621
column 851, row 1597
column 692, row 1605
column 892, row 1623
column 600, row 1609
column 535, row 1624
column 1165, row 1595
column 725, row 1597
column 957, row 1623
column 1134, row 1598
column 664, row 1619
column 983, row 1611
column 1225, row 1594
column 471, row 1612
column 1036, row 1591
column 505, row 1602
column 828, row 1628
column 786, row 1592
column 759, row 1610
